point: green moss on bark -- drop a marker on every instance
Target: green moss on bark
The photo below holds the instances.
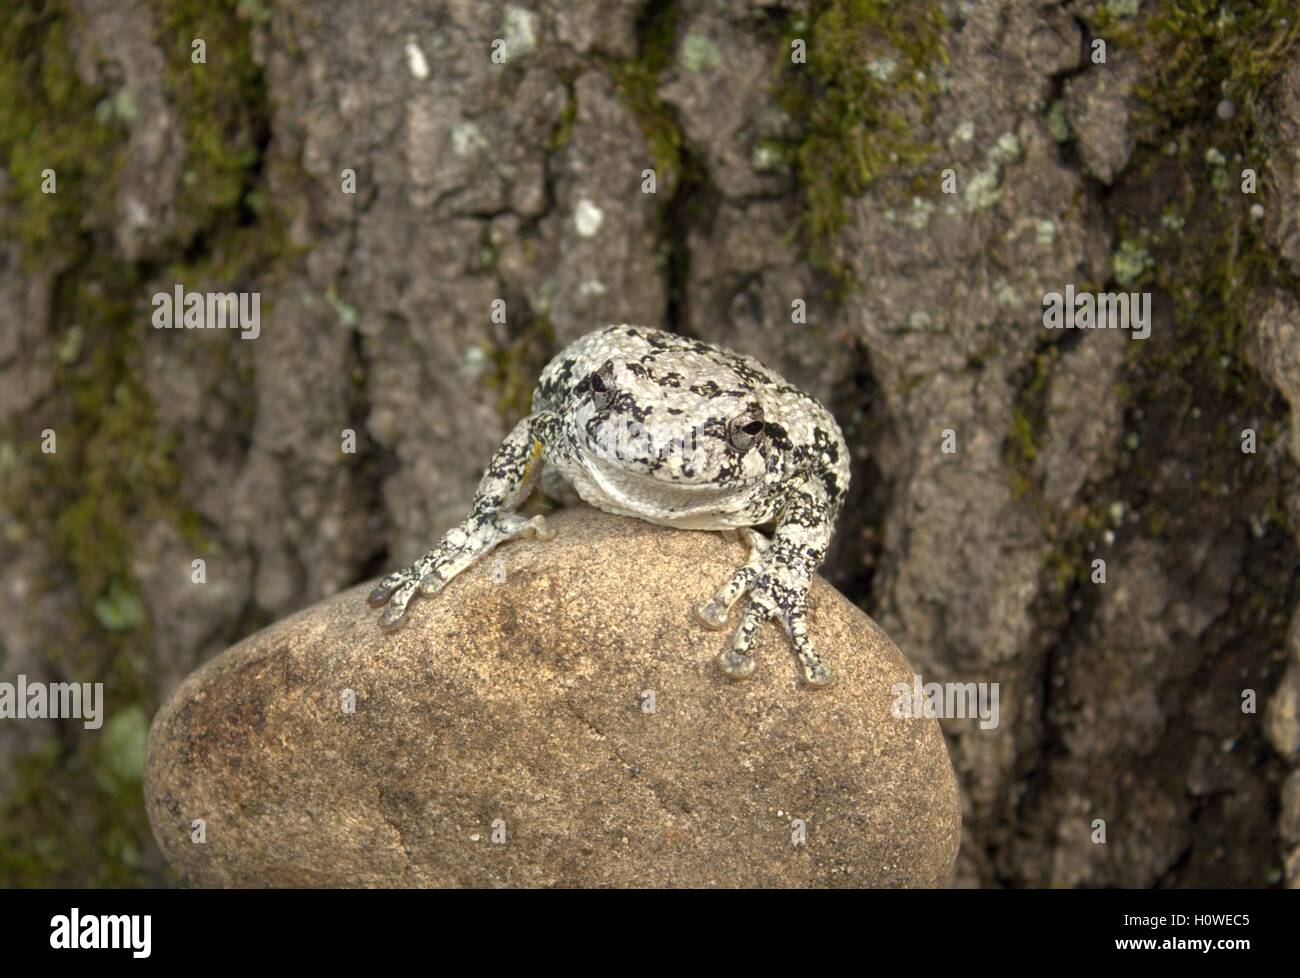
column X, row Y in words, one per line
column 637, row 80
column 515, row 366
column 76, row 817
column 222, row 104
column 858, row 102
column 51, row 120
column 1208, row 252
column 1186, row 233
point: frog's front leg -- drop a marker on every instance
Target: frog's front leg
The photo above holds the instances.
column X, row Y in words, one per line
column 777, row 577
column 509, row 478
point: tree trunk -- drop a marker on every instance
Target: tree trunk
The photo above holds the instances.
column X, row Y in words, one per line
column 873, row 198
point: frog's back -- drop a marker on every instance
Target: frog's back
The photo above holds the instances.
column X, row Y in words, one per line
column 645, row 344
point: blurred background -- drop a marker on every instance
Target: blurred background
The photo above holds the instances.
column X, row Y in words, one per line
column 380, row 180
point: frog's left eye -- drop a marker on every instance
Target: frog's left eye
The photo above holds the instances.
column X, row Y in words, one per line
column 745, row 430
column 602, row 387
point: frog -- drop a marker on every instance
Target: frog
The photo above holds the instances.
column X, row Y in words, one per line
column 666, row 428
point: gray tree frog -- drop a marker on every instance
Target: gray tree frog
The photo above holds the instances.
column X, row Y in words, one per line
column 640, row 422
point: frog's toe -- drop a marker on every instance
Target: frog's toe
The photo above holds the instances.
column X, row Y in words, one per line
column 385, row 588
column 735, row 665
column 815, row 671
column 542, row 530
column 512, row 526
column 712, row 614
column 392, row 616
column 736, row 662
column 818, row 675
column 432, row 583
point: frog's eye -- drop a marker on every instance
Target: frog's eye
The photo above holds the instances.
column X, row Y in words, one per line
column 745, row 430
column 602, row 387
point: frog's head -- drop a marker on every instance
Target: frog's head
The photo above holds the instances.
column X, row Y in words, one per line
column 688, row 428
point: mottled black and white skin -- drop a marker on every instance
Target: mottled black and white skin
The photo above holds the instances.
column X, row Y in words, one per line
column 639, row 422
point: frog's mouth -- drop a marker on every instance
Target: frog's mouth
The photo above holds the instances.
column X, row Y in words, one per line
column 622, row 479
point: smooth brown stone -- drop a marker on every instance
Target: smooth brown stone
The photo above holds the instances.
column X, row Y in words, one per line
column 522, row 701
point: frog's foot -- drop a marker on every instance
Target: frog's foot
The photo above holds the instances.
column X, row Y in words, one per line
column 461, row 547
column 736, row 665
column 771, row 600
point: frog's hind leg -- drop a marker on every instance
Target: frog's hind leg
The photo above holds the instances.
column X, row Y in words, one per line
column 713, row 613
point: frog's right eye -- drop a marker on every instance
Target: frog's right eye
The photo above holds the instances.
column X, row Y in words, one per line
column 745, row 430
column 602, row 387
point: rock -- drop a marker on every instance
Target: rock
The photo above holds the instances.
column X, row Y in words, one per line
column 518, row 701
